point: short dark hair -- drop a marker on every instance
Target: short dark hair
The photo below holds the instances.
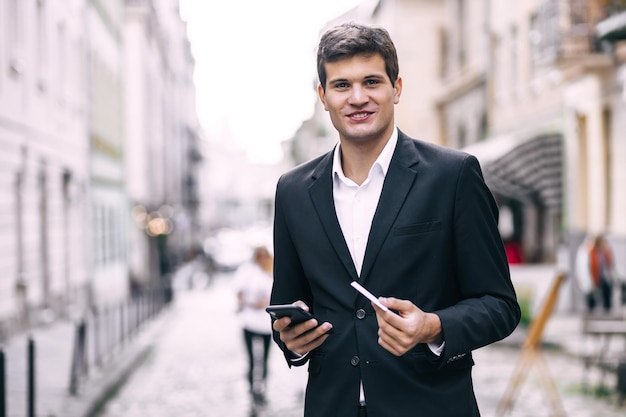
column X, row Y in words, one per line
column 350, row 39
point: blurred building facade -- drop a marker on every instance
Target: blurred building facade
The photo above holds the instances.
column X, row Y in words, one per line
column 98, row 132
column 43, row 148
column 545, row 119
column 535, row 89
column 107, row 209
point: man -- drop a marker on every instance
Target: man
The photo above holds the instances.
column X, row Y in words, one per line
column 410, row 221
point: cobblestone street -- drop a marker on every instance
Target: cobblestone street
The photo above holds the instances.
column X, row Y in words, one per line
column 198, row 365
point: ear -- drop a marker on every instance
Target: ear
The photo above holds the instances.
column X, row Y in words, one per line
column 322, row 94
column 397, row 90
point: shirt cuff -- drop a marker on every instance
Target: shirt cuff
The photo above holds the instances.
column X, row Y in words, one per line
column 296, row 357
column 435, row 348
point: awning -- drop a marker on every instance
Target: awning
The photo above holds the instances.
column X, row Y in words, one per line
column 526, row 169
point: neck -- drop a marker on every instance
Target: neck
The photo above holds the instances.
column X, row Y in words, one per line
column 357, row 158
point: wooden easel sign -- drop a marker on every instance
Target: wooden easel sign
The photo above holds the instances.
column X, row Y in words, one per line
column 533, row 356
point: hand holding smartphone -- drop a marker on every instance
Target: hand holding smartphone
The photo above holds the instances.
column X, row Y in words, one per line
column 297, row 314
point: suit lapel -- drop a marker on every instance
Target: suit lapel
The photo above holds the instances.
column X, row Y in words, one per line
column 398, row 182
column 321, row 192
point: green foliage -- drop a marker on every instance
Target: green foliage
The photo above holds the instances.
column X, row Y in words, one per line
column 525, row 301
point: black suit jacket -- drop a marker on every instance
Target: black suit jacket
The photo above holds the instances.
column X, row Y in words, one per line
column 434, row 241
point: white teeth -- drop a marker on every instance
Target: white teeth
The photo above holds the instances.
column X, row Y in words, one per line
column 359, row 115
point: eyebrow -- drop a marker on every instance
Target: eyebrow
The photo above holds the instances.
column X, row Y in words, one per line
column 367, row 77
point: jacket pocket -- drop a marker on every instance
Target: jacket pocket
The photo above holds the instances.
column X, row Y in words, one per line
column 418, row 228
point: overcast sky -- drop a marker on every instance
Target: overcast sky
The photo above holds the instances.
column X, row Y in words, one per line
column 255, row 66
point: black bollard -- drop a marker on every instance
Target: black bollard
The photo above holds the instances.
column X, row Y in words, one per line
column 3, row 391
column 621, row 379
column 31, row 377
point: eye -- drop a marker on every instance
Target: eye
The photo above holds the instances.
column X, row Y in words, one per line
column 371, row 82
column 342, row 85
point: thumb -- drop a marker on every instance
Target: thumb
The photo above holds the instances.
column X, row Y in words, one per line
column 396, row 304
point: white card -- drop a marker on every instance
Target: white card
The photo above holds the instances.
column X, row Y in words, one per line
column 369, row 295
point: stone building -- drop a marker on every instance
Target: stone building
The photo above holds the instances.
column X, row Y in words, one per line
column 162, row 138
column 74, row 163
column 544, row 123
column 45, row 171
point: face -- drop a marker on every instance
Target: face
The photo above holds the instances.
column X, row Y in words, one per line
column 360, row 98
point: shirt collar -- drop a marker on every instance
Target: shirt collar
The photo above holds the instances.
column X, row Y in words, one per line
column 383, row 161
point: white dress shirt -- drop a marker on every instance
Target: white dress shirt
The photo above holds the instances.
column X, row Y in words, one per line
column 355, row 204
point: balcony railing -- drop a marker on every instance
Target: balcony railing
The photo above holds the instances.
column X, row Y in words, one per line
column 555, row 42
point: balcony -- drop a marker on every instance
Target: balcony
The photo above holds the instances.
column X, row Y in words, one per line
column 565, row 33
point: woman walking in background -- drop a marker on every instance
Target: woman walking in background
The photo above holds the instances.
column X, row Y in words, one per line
column 254, row 284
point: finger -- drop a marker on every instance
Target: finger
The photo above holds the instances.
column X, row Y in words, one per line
column 313, row 344
column 294, row 332
column 302, row 305
column 397, row 345
column 282, row 323
column 390, row 347
column 401, row 306
column 388, row 318
column 309, row 339
column 317, row 332
column 390, row 334
column 291, row 332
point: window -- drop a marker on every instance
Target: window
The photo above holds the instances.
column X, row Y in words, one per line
column 462, row 35
column 13, row 35
column 544, row 34
column 514, row 62
column 41, row 63
column 608, row 178
column 461, row 137
column 61, row 60
column 443, row 52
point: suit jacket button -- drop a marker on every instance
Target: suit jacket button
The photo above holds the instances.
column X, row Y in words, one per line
column 360, row 314
column 355, row 361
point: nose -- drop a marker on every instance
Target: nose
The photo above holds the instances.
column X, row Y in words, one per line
column 358, row 96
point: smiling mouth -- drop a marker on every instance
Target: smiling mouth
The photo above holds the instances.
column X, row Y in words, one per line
column 360, row 115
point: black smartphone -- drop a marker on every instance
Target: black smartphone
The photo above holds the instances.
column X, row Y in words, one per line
column 297, row 314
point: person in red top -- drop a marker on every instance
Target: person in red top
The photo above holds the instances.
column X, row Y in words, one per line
column 601, row 270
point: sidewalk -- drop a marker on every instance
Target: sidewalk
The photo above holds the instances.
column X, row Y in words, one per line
column 564, row 332
column 53, row 361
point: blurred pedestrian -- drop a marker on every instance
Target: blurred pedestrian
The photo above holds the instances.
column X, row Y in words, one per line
column 583, row 273
column 596, row 269
column 413, row 222
column 254, row 284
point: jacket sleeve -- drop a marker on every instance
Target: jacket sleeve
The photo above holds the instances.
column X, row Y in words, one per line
column 487, row 310
column 290, row 284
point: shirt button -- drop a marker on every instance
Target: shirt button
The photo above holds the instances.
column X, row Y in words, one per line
column 354, row 361
column 360, row 314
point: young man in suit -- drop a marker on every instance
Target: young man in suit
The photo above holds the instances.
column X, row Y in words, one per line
column 412, row 222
